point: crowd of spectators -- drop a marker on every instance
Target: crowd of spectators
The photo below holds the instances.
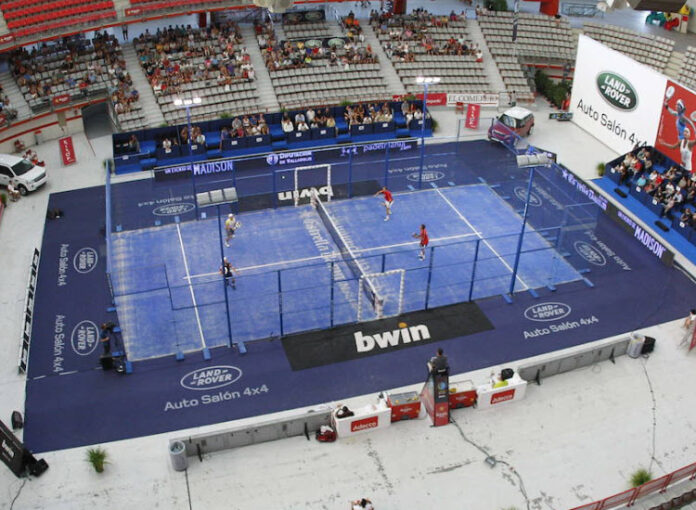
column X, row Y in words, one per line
column 7, row 111
column 73, row 64
column 673, row 188
column 418, row 30
column 298, row 54
column 180, row 55
column 308, row 120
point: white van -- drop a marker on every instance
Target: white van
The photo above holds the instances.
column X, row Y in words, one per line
column 23, row 174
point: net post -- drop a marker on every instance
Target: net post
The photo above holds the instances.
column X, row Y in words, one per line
column 401, row 290
column 386, row 166
column 328, row 183
column 350, row 174
column 296, row 190
column 384, row 261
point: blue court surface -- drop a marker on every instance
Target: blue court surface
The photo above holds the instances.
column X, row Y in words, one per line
column 295, row 283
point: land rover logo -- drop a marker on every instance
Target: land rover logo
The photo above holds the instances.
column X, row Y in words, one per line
column 173, row 209
column 617, row 91
column 546, row 312
column 210, row 378
column 84, row 338
column 521, row 193
column 590, row 253
column 428, row 176
column 85, row 260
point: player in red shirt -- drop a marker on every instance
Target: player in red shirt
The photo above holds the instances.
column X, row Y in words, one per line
column 423, row 236
column 388, row 201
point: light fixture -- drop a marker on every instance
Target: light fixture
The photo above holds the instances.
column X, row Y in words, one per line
column 187, row 102
column 428, row 79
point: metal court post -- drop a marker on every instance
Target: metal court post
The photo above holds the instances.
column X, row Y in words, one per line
column 524, row 225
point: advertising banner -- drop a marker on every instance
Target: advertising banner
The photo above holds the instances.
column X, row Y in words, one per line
column 676, row 134
column 614, row 98
column 477, row 98
column 473, row 113
column 61, row 99
column 67, row 151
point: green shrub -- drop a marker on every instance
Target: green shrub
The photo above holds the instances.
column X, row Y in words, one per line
column 600, row 169
column 640, row 476
column 3, row 198
column 97, row 457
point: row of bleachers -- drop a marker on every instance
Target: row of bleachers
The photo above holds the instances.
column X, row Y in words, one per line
column 421, row 43
column 319, row 29
column 44, row 7
column 538, row 36
column 149, row 151
column 52, row 11
column 209, row 63
column 62, row 21
column 687, row 73
column 514, row 78
column 140, row 7
column 72, row 66
column 654, row 51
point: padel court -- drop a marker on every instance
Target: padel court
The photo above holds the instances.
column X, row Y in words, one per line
column 312, row 279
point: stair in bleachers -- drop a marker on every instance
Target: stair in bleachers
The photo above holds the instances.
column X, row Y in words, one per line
column 394, row 84
column 489, row 65
column 153, row 114
column 676, row 67
column 267, row 98
column 17, row 101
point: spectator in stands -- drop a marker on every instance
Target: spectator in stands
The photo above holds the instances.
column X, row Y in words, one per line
column 200, row 138
column 133, row 144
column 302, row 126
column 167, row 145
column 263, row 128
column 286, row 124
column 330, row 122
column 224, row 135
column 310, row 115
column 299, row 117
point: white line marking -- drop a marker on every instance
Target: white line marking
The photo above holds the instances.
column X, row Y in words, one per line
column 188, row 277
column 334, row 254
column 480, row 236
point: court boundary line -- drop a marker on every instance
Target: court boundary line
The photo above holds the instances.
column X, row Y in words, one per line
column 517, row 276
column 193, row 294
column 320, row 258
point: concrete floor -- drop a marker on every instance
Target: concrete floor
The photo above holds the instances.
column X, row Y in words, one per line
column 574, row 439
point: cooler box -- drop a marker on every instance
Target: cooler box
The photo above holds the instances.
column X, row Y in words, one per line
column 462, row 394
column 404, row 406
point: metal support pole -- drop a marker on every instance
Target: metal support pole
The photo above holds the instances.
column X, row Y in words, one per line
column 224, row 280
column 386, row 166
column 331, row 277
column 280, row 303
column 425, row 110
column 384, row 261
column 275, row 189
column 350, row 173
column 524, row 225
column 190, row 147
column 473, row 270
column 430, row 276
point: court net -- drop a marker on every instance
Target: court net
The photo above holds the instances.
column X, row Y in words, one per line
column 368, row 286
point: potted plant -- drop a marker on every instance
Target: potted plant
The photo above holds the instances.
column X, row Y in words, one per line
column 600, row 169
column 3, row 199
column 97, row 457
column 225, row 115
column 346, row 102
column 640, row 476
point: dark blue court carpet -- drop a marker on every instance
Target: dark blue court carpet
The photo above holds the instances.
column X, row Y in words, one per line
column 71, row 402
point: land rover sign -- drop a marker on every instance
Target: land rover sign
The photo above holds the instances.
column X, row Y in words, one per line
column 617, row 91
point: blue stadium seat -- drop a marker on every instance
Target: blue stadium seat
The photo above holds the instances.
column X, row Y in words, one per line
column 685, row 230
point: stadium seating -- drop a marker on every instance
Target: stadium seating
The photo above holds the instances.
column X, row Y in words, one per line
column 648, row 49
column 687, row 73
column 73, row 69
column 29, row 18
column 141, row 7
column 433, row 46
column 540, row 40
column 316, row 69
column 182, row 63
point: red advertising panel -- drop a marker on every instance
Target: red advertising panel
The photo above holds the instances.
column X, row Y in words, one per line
column 366, row 423
column 5, row 39
column 133, row 11
column 67, row 151
column 473, row 113
column 676, row 135
column 61, row 99
column 502, row 396
column 436, row 99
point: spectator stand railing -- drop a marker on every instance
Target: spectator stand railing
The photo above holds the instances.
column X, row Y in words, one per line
column 629, row 497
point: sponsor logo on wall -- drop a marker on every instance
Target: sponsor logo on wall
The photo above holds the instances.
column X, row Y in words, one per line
column 590, row 253
column 617, row 91
column 173, row 209
column 521, row 193
column 84, row 338
column 211, row 378
column 553, row 312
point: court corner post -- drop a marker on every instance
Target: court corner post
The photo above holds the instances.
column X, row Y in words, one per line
column 522, row 229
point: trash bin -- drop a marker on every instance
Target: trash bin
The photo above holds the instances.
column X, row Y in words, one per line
column 177, row 453
column 635, row 345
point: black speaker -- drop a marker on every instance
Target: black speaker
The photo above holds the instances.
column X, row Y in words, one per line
column 107, row 362
column 662, row 226
column 37, row 467
column 17, row 421
column 506, row 373
column 648, row 345
column 620, row 192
